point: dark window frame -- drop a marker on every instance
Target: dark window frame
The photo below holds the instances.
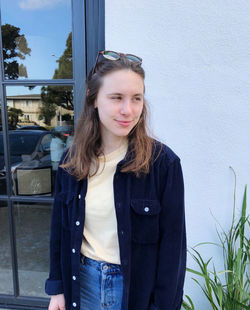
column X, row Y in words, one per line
column 87, row 40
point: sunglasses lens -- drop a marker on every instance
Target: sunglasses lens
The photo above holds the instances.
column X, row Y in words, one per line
column 133, row 58
column 111, row 55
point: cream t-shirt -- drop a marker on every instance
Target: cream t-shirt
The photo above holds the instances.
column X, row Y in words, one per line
column 100, row 238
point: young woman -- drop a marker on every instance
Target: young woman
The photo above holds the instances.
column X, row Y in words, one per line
column 118, row 239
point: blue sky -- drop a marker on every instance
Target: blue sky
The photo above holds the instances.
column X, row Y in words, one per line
column 46, row 25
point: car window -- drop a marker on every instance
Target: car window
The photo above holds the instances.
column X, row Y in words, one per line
column 20, row 144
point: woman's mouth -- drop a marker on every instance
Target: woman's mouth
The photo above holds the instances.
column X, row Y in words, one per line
column 124, row 123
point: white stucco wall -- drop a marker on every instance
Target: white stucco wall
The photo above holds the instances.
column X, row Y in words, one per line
column 196, row 55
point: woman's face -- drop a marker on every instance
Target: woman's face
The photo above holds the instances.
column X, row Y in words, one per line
column 119, row 103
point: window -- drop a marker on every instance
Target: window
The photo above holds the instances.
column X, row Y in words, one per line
column 50, row 56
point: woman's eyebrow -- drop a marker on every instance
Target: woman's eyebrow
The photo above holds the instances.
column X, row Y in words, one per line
column 114, row 94
column 138, row 94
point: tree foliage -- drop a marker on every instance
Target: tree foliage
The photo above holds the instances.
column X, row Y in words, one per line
column 64, row 70
column 61, row 95
column 47, row 112
column 14, row 46
column 13, row 116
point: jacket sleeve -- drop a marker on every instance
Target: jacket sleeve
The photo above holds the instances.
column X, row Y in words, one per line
column 53, row 285
column 168, row 291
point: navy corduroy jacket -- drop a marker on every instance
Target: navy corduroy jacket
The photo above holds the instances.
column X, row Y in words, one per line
column 151, row 233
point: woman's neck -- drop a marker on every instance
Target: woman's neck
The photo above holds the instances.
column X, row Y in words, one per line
column 109, row 146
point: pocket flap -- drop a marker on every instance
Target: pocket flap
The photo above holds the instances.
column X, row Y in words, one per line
column 146, row 206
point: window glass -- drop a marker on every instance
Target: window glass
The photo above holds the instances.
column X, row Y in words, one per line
column 32, row 223
column 6, row 284
column 3, row 189
column 38, row 142
column 37, row 39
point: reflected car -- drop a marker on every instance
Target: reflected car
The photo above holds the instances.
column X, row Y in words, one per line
column 32, row 127
column 30, row 160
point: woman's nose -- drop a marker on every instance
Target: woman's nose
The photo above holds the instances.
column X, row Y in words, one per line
column 126, row 107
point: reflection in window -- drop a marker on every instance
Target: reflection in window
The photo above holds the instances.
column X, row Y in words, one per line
column 41, row 131
column 6, row 285
column 3, row 189
column 15, row 48
column 30, row 49
column 32, row 223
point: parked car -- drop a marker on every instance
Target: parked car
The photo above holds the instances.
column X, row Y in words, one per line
column 10, row 127
column 30, row 160
column 32, row 127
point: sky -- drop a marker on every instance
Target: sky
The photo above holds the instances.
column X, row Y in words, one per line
column 46, row 25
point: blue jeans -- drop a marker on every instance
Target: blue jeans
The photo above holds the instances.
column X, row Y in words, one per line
column 101, row 285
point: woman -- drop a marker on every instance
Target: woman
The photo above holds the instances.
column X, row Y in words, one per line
column 118, row 228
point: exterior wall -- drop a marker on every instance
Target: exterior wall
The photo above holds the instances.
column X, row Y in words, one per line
column 196, row 58
column 30, row 108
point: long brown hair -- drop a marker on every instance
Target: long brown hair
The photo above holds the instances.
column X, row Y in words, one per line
column 87, row 144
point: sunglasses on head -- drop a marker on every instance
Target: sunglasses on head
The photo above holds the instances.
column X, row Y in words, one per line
column 111, row 55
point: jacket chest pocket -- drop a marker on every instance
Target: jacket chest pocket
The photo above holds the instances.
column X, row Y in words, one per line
column 67, row 210
column 145, row 220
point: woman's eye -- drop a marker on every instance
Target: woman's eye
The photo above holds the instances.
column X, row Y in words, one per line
column 137, row 98
column 116, row 98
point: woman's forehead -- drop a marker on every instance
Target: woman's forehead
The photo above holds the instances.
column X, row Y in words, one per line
column 123, row 80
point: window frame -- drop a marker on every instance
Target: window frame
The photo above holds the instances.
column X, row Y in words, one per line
column 86, row 42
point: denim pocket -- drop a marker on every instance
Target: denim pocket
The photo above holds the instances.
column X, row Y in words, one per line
column 145, row 220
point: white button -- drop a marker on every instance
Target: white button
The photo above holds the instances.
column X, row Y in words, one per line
column 146, row 209
column 105, row 267
column 73, row 250
column 79, row 196
column 74, row 304
column 77, row 223
column 74, row 278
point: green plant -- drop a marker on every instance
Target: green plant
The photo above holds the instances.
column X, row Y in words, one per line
column 227, row 289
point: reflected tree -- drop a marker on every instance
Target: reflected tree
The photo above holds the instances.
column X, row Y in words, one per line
column 48, row 109
column 66, row 117
column 61, row 95
column 14, row 46
column 64, row 70
column 13, row 116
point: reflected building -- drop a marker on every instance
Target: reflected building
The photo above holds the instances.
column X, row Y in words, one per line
column 31, row 106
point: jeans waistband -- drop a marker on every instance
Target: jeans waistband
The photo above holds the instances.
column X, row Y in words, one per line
column 100, row 265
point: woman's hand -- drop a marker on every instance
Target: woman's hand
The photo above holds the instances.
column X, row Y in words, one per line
column 57, row 302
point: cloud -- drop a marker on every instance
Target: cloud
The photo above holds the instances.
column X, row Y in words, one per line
column 38, row 4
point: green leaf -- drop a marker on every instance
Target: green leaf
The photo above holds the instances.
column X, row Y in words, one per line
column 227, row 289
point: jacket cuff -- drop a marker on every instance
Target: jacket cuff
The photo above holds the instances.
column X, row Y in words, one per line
column 53, row 287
